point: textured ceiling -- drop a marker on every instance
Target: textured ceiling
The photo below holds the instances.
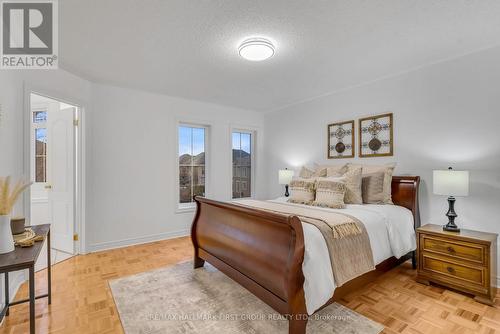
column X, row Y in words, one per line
column 188, row 48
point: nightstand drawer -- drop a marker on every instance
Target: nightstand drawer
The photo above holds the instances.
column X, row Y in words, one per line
column 471, row 274
column 461, row 250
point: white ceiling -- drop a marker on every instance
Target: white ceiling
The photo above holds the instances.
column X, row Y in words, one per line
column 188, row 48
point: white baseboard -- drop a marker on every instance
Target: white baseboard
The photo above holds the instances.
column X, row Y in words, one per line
column 136, row 241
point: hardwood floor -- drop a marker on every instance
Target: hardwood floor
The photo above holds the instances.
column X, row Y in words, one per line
column 81, row 298
column 402, row 305
column 82, row 301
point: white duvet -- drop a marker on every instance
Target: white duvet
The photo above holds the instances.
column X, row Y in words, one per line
column 391, row 233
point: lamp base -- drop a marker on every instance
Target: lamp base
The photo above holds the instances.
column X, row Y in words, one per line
column 451, row 214
column 286, row 191
column 451, row 228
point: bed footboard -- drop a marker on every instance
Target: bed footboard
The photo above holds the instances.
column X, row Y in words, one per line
column 260, row 250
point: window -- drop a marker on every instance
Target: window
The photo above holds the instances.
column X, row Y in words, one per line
column 40, row 117
column 242, row 164
column 192, row 166
column 40, row 138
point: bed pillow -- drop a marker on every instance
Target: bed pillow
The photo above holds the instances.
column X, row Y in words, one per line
column 388, row 170
column 353, row 185
column 315, row 170
column 330, row 193
column 372, row 187
column 335, row 171
column 302, row 191
column 320, row 171
column 306, row 172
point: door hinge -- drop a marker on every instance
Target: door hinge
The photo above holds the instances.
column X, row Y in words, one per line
column 76, row 122
column 75, row 237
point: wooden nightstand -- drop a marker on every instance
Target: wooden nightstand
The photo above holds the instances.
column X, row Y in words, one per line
column 465, row 261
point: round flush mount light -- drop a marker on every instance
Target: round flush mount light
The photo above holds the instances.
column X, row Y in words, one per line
column 256, row 49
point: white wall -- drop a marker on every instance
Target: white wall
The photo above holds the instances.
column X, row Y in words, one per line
column 133, row 171
column 445, row 115
column 12, row 84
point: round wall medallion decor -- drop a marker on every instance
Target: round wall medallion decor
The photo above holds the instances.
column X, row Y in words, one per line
column 375, row 144
column 340, row 147
column 374, row 128
column 340, row 133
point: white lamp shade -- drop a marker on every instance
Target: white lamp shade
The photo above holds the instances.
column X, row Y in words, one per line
column 451, row 182
column 285, row 176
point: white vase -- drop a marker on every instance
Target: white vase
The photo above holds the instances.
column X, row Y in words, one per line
column 6, row 240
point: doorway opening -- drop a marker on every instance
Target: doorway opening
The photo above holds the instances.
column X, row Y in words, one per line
column 54, row 173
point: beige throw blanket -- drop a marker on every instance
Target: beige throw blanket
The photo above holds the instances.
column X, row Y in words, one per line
column 346, row 237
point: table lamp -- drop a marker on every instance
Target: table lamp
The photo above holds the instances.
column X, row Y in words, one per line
column 285, row 177
column 451, row 183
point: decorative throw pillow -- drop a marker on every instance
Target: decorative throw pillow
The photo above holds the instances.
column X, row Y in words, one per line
column 373, row 188
column 330, row 193
column 388, row 170
column 320, row 171
column 302, row 191
column 335, row 171
column 353, row 185
column 306, row 172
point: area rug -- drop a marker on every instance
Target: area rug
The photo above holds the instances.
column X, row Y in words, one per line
column 179, row 299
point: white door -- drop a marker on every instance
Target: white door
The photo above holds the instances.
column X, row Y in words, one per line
column 60, row 178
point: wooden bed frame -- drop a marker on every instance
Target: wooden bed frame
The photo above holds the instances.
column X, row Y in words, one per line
column 264, row 251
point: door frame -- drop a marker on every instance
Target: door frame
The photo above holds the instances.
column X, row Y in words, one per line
column 79, row 195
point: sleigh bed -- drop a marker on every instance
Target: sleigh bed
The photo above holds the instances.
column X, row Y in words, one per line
column 264, row 251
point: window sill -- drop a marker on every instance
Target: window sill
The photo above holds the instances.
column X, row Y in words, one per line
column 241, row 198
column 186, row 208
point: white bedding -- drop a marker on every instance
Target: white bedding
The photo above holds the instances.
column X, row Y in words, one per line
column 391, row 233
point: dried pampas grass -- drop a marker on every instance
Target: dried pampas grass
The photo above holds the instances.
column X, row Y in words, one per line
column 8, row 195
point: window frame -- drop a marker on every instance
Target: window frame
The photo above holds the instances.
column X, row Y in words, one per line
column 253, row 134
column 191, row 206
column 34, row 127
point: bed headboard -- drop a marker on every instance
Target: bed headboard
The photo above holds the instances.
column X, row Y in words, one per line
column 405, row 193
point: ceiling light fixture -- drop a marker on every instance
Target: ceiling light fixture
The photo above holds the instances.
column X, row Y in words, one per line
column 256, row 49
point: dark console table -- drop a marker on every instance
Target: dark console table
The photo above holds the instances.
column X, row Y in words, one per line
column 25, row 258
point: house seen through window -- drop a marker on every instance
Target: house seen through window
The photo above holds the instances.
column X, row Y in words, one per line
column 242, row 164
column 191, row 162
column 40, row 138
